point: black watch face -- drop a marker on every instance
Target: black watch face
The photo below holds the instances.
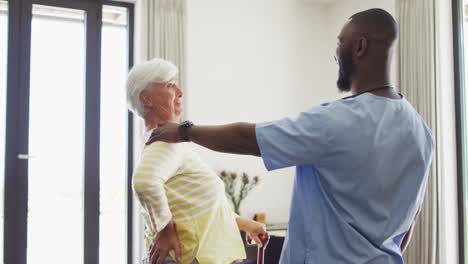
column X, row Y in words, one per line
column 183, row 130
column 188, row 123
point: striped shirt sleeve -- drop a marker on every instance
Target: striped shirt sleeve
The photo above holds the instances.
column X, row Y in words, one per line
column 159, row 162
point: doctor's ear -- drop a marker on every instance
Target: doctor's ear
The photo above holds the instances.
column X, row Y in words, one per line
column 362, row 46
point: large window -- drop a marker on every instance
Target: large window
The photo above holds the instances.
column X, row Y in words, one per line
column 66, row 131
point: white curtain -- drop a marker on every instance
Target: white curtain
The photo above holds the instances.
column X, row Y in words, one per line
column 166, row 32
column 417, row 76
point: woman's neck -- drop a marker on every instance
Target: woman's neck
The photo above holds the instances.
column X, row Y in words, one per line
column 152, row 121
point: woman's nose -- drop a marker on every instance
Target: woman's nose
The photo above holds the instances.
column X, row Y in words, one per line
column 179, row 92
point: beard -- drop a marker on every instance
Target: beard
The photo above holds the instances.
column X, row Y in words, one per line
column 346, row 69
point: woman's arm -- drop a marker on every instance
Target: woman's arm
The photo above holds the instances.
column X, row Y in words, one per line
column 163, row 243
column 158, row 163
column 252, row 228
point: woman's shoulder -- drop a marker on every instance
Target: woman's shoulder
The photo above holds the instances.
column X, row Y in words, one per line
column 165, row 148
column 160, row 144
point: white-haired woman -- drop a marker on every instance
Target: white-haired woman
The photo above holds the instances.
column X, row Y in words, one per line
column 186, row 210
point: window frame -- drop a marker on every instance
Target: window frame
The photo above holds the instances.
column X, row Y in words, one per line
column 460, row 123
column 17, row 127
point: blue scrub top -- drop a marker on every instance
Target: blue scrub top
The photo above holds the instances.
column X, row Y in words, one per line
column 361, row 170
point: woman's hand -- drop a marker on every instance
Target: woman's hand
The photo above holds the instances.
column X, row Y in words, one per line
column 163, row 243
column 255, row 230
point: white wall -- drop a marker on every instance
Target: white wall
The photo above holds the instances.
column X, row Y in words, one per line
column 258, row 61
column 255, row 61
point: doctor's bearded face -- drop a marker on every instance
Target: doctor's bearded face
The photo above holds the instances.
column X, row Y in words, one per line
column 344, row 59
column 346, row 69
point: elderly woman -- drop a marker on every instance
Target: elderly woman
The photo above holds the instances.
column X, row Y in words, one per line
column 185, row 206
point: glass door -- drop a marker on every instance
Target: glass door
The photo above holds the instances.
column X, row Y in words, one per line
column 56, row 135
column 66, row 131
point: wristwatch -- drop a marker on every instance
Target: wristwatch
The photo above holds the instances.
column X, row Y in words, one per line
column 183, row 127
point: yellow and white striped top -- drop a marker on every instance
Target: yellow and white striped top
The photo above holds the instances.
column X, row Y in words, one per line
column 171, row 182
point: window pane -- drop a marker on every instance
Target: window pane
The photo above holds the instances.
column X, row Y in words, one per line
column 56, row 136
column 3, row 72
column 113, row 156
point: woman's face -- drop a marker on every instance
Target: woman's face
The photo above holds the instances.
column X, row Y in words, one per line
column 165, row 101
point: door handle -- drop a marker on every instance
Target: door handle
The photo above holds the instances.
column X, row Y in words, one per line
column 25, row 156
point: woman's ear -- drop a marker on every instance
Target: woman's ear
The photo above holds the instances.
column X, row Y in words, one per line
column 145, row 99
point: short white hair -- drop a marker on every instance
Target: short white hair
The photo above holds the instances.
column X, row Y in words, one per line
column 143, row 76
